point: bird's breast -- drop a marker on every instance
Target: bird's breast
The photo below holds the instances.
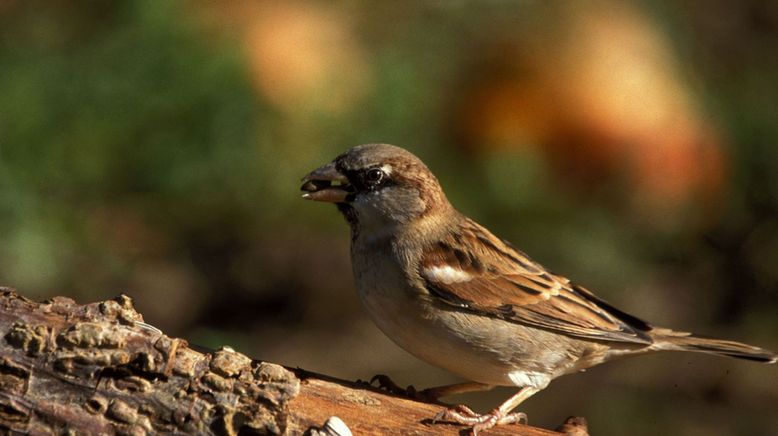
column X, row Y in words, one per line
column 475, row 347
column 380, row 283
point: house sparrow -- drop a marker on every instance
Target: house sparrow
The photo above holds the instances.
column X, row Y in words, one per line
column 451, row 293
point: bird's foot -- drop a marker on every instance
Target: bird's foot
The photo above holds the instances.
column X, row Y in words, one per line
column 462, row 414
column 384, row 382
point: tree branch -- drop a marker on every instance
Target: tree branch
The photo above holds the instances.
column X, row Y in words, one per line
column 97, row 368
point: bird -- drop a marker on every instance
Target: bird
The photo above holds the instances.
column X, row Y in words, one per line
column 450, row 292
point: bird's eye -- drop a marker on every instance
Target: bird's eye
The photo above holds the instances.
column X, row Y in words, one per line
column 374, row 176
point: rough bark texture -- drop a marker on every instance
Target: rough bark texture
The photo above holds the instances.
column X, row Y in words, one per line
column 98, row 369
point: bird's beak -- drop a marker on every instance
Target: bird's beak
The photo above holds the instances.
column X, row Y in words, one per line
column 326, row 184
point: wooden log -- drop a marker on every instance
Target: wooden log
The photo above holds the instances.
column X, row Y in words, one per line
column 99, row 369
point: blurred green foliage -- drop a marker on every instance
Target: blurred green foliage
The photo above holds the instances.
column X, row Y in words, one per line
column 122, row 106
column 139, row 155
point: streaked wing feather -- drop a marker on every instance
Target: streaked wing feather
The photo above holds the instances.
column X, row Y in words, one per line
column 496, row 279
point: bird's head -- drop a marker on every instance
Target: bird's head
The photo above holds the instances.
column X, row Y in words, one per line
column 377, row 185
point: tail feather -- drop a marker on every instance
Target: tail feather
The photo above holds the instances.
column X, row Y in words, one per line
column 671, row 340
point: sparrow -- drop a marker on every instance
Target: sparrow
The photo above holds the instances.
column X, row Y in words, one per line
column 447, row 290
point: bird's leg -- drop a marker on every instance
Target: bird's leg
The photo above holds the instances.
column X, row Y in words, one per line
column 500, row 416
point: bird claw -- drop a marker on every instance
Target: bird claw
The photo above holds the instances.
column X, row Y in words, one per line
column 387, row 384
column 426, row 395
column 459, row 414
column 462, row 414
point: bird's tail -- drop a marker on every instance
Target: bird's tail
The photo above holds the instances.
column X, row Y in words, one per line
column 665, row 339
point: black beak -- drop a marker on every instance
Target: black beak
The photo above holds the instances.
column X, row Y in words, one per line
column 326, row 184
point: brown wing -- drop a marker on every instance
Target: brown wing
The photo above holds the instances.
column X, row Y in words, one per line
column 496, row 279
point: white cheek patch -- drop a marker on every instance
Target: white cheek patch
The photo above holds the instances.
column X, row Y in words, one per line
column 446, row 274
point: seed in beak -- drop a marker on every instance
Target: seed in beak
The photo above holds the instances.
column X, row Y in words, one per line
column 315, row 185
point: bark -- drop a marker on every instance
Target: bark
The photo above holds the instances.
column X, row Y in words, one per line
column 98, row 369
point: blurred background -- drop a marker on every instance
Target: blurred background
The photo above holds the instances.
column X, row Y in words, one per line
column 156, row 148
